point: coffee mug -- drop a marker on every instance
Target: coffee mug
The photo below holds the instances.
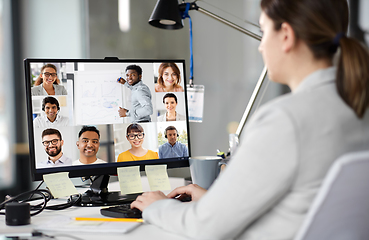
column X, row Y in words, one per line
column 204, row 170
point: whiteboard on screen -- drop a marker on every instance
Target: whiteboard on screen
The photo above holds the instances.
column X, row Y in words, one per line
column 98, row 96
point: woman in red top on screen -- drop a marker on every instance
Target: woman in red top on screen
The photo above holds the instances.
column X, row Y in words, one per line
column 48, row 83
column 169, row 78
column 135, row 136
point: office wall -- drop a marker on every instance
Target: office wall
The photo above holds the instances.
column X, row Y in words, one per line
column 364, row 18
column 54, row 28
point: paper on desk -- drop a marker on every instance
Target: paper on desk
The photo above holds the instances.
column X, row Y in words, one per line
column 130, row 179
column 60, row 184
column 68, row 224
column 158, row 177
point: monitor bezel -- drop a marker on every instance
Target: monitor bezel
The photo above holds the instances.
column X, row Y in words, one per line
column 96, row 169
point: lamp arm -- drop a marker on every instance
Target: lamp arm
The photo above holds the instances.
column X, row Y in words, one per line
column 251, row 101
column 193, row 6
column 225, row 21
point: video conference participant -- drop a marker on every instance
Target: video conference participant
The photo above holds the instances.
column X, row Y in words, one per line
column 88, row 144
column 135, row 136
column 48, row 83
column 140, row 96
column 53, row 142
column 50, row 106
column 170, row 102
column 290, row 143
column 172, row 148
column 169, row 78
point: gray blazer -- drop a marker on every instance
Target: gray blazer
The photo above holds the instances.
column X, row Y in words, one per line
column 286, row 149
column 39, row 90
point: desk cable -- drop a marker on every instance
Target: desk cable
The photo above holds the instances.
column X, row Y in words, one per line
column 45, row 195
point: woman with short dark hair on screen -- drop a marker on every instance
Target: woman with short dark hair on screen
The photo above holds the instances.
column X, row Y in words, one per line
column 290, row 143
column 169, row 78
column 48, row 82
column 136, row 136
column 170, row 102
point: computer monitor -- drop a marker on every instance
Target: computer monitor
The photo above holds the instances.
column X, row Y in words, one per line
column 68, row 99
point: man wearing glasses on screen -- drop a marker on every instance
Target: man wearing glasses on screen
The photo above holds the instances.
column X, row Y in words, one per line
column 52, row 141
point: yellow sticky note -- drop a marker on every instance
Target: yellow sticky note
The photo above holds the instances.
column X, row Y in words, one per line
column 60, row 184
column 158, row 177
column 130, row 179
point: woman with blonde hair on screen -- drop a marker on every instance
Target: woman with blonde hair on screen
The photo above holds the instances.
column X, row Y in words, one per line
column 48, row 82
column 290, row 143
column 169, row 78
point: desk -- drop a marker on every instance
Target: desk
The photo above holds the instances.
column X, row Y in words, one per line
column 144, row 232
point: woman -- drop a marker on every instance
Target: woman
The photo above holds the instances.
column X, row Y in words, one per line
column 170, row 102
column 48, row 83
column 290, row 143
column 169, row 78
column 135, row 136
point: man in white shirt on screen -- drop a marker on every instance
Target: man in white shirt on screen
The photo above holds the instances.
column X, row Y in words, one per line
column 53, row 142
column 88, row 144
column 140, row 96
column 52, row 118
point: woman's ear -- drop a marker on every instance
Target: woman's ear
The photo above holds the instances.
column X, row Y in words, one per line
column 288, row 37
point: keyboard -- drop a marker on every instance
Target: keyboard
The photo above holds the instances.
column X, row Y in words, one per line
column 121, row 211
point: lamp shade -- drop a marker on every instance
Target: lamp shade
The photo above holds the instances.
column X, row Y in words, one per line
column 166, row 15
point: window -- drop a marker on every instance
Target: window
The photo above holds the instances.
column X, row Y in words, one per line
column 6, row 112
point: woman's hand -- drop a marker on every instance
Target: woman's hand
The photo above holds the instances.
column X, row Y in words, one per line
column 192, row 190
column 146, row 199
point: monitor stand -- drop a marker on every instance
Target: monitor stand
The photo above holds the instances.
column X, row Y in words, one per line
column 98, row 194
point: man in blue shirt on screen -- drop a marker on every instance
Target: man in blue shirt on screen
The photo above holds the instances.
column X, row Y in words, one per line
column 140, row 96
column 172, row 148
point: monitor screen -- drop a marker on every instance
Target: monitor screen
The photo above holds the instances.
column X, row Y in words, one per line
column 90, row 117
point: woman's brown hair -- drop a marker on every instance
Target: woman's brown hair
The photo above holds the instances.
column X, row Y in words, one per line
column 39, row 80
column 134, row 127
column 322, row 25
column 175, row 69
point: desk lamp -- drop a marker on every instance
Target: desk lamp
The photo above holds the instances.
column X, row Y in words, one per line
column 168, row 14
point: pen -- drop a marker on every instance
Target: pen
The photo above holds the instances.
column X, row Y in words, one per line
column 109, row 219
column 119, row 79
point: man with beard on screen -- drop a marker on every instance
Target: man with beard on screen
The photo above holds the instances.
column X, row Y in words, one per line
column 53, row 142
